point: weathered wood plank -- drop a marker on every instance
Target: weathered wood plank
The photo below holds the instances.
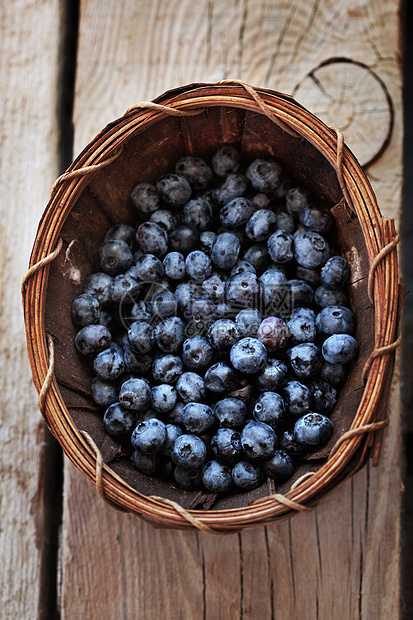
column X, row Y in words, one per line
column 343, row 559
column 29, row 49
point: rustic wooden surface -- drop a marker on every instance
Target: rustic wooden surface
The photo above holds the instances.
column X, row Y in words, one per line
column 340, row 561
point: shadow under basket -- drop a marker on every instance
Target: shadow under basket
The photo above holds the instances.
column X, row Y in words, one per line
column 94, row 194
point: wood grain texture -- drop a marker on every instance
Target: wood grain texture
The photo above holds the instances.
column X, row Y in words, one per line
column 342, row 560
column 30, row 34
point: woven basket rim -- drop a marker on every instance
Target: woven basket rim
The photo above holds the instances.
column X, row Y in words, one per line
column 377, row 232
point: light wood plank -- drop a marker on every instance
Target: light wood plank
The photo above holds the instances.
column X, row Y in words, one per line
column 341, row 561
column 29, row 47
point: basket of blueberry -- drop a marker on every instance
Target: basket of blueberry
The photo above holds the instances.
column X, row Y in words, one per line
column 218, row 317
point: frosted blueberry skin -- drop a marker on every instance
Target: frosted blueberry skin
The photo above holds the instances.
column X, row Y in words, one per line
column 118, row 421
column 335, row 320
column 216, row 477
column 152, row 239
column 335, row 272
column 174, row 265
column 189, row 451
column 323, row 397
column 248, row 322
column 199, row 313
column 316, row 218
column 289, row 444
column 225, row 251
column 114, row 257
column 299, row 293
column 272, row 377
column 136, row 362
column 226, row 160
column 243, row 289
column 246, row 475
column 258, row 440
column 307, row 313
column 333, row 373
column 145, row 463
column 121, row 232
column 195, row 170
column 302, row 330
column 297, row 398
column 85, row 310
column 140, row 312
column 242, row 266
column 311, row 276
column 92, row 339
column 149, row 436
column 172, row 433
column 135, row 395
column 248, row 355
column 264, row 174
column 145, row 198
column 197, row 353
column 98, row 285
column 184, row 239
column 285, row 222
column 273, row 333
column 280, row 466
column 207, row 239
column 257, row 255
column 221, row 378
column 174, row 416
column 198, row 266
column 226, row 446
column 313, row 429
column 140, row 336
column 325, row 297
column 280, row 246
column 164, row 304
column 170, row 334
column 295, row 199
column 261, row 224
column 274, row 291
column 104, row 393
column 109, row 364
column 197, row 418
column 230, row 413
column 191, row 387
column 340, row 349
column 149, row 268
column 236, row 212
column 305, row 360
column 167, row 369
column 197, row 213
column 234, row 185
column 165, row 219
column 174, row 189
column 214, row 289
column 124, row 288
column 188, row 479
column 163, row 397
column 270, row 409
column 185, row 292
column 311, row 250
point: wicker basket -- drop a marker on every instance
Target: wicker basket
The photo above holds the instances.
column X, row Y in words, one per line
column 94, row 194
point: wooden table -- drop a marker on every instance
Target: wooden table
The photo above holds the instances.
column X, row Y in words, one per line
column 340, row 561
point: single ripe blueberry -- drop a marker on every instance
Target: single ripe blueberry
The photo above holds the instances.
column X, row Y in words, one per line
column 221, row 378
column 195, row 170
column 216, row 477
column 226, row 159
column 243, row 289
column 170, row 334
column 197, row 418
column 172, row 433
column 307, row 313
column 280, row 466
column 149, row 436
column 214, row 289
column 135, row 395
column 145, row 198
column 198, row 266
column 313, row 429
column 198, row 213
column 226, row 446
column 109, row 363
column 152, row 239
column 223, row 334
column 273, row 376
column 261, row 224
column 114, row 257
column 288, row 444
column 242, row 266
column 323, row 397
column 85, row 310
column 270, row 409
column 335, row 320
column 305, row 360
column 207, row 239
column 104, row 393
column 165, row 219
column 264, row 174
column 333, row 373
column 316, row 218
column 230, row 413
column 233, row 186
column 191, row 387
column 302, row 329
column 149, row 268
column 140, row 336
column 188, row 479
column 92, row 339
column 164, row 397
column 174, row 265
column 285, row 222
column 174, row 189
column 174, row 416
column 98, row 285
column 280, row 246
column 335, row 272
column 297, row 398
column 200, row 313
column 140, row 312
column 145, row 463
column 236, row 212
column 311, row 276
column 246, row 476
column 167, row 369
column 257, row 255
column 275, row 292
column 189, row 451
column 295, row 199
column 121, row 232
column 225, row 251
column 258, row 440
column 340, row 349
column 197, row 353
column 164, row 304
column 136, row 362
column 325, row 297
column 311, row 249
column 299, row 293
column 185, row 292
column 184, row 239
column 248, row 355
column 118, row 421
column 248, row 322
column 273, row 333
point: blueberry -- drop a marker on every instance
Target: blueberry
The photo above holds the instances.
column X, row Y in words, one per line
column 207, row 239
column 188, row 451
column 198, row 213
column 197, row 353
column 269, row 408
column 92, row 339
column 273, row 333
column 297, row 398
column 140, row 336
column 311, row 250
column 261, row 201
column 224, row 310
column 335, row 272
column 174, row 416
column 307, row 313
column 311, row 276
column 167, row 369
column 223, row 334
column 145, row 198
column 170, row 334
column 149, row 436
column 184, row 239
column 258, row 440
column 109, row 364
column 243, row 289
column 164, row 219
column 145, row 463
column 273, row 376
column 188, row 479
column 265, row 175
column 280, row 246
column 261, row 224
column 335, row 320
column 221, row 378
column 114, row 257
column 285, row 222
column 85, row 310
column 325, row 297
column 201, row 313
column 274, row 290
column 246, row 475
column 185, row 292
column 118, row 421
column 214, row 289
column 333, row 373
column 302, row 329
column 288, row 444
column 313, row 429
column 104, row 393
column 233, row 186
column 195, row 170
column 280, row 466
column 172, row 433
column 197, row 418
column 247, row 322
column 164, row 397
column 124, row 289
column 149, row 268
column 198, row 266
column 295, row 199
column 136, row 362
column 316, row 218
column 191, row 387
column 340, row 349
column 216, row 477
column 121, row 232
column 98, row 285
column 242, row 266
column 236, row 212
column 248, row 355
column 225, row 251
column 305, row 360
column 152, row 239
column 226, row 160
column 257, row 255
column 164, row 304
column 230, row 413
column 299, row 293
column 174, row 189
column 135, row 395
column 323, row 396
column 174, row 265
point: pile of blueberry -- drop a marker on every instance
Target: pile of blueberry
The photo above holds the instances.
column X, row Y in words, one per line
column 218, row 330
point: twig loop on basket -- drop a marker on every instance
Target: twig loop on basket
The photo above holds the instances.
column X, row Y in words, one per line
column 49, row 375
column 47, row 259
column 150, row 105
column 375, row 263
column 380, row 351
column 354, row 432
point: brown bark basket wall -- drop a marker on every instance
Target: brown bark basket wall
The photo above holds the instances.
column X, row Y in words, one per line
column 94, row 194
